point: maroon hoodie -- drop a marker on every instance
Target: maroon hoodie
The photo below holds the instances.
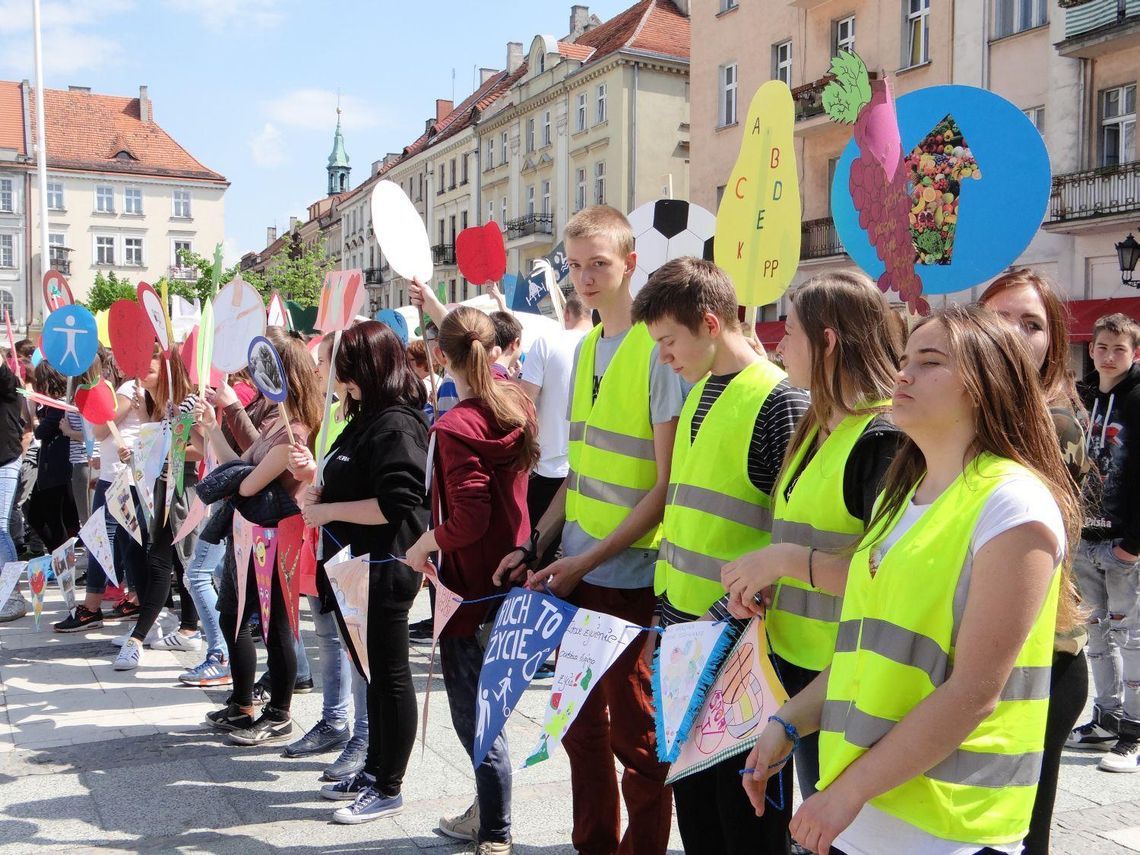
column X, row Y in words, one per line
column 478, row 504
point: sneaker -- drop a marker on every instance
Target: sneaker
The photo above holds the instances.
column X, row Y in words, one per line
column 1091, row 737
column 177, row 641
column 545, row 671
column 350, row 761
column 229, row 718
column 494, row 847
column 421, row 632
column 348, row 789
column 369, row 805
column 1124, row 757
column 215, row 671
column 14, row 609
column 80, row 619
column 260, row 694
column 113, row 594
column 323, row 736
column 129, row 656
column 124, row 609
column 264, row 731
column 152, row 636
column 462, row 827
column 303, row 687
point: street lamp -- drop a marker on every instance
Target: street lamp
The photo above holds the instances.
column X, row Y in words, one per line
column 1128, row 252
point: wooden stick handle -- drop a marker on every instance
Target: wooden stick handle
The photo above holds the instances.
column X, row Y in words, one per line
column 431, row 367
column 285, row 418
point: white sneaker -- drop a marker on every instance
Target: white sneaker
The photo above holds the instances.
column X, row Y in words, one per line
column 177, row 641
column 1091, row 737
column 462, row 827
column 129, row 656
column 1124, row 757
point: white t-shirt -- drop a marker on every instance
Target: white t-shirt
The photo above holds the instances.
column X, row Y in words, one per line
column 550, row 365
column 1019, row 500
column 109, row 463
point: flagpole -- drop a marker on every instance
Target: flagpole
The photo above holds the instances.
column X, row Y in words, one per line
column 41, row 159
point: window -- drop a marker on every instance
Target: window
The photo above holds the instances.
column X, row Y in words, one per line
column 782, row 62
column 451, row 222
column 728, row 85
column 178, row 247
column 182, row 204
column 442, row 186
column 451, row 184
column 600, row 183
column 440, row 241
column 601, row 112
column 580, row 119
column 462, row 220
column 55, row 195
column 463, row 169
column 1118, row 125
column 7, row 303
column 844, row 30
column 546, row 197
column 104, row 250
column 529, row 135
column 132, row 251
column 579, row 190
column 917, row 38
column 503, row 148
column 490, row 156
column 504, row 209
column 7, row 196
column 132, row 200
column 490, row 210
column 7, row 250
column 105, row 200
column 1013, row 16
column 727, row 5
column 420, row 194
column 1037, row 116
column 55, row 239
column 546, row 128
column 530, row 200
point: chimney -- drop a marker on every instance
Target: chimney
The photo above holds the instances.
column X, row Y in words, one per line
column 270, row 235
column 293, row 223
column 144, row 106
column 442, row 108
column 427, row 124
column 486, row 74
column 514, row 56
column 579, row 21
column 86, row 89
column 684, row 7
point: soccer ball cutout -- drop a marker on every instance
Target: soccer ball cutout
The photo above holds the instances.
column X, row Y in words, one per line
column 668, row 229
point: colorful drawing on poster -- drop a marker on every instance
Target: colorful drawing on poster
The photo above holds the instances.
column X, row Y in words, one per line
column 155, row 310
column 121, row 504
column 63, row 565
column 147, row 460
column 342, row 298
column 264, row 564
column 56, row 291
column 243, row 549
column 183, row 427
column 400, row 231
column 758, row 221
column 592, row 642
column 745, row 692
column 132, row 338
column 348, row 579
column 937, row 167
column 9, row 577
column 96, row 538
column 668, row 229
column 37, row 582
column 290, row 548
column 239, row 315
column 481, row 254
column 70, row 340
column 684, row 666
column 528, row 626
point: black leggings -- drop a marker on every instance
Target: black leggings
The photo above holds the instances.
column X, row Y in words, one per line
column 391, row 696
column 154, row 582
column 279, row 648
column 1068, row 691
column 187, row 610
column 48, row 514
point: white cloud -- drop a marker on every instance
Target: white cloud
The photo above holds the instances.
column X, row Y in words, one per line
column 16, row 15
column 67, row 49
column 220, row 14
column 315, row 110
column 267, row 147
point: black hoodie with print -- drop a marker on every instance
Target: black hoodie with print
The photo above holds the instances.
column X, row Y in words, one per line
column 1112, row 502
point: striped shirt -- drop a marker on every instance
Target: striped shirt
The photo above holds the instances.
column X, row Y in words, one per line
column 77, row 453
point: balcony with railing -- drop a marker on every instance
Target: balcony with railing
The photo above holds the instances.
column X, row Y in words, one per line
column 372, row 276
column 809, row 97
column 1095, row 193
column 1097, row 27
column 531, row 229
column 819, row 239
column 443, row 253
column 60, row 261
column 184, row 274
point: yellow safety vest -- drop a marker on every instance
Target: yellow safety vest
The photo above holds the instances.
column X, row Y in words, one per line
column 896, row 646
column 713, row 512
column 612, row 461
column 803, row 620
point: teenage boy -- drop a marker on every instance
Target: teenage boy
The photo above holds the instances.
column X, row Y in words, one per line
column 1106, row 562
column 734, row 429
column 508, row 339
column 623, row 416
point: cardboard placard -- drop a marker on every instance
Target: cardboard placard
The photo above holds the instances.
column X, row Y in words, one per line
column 97, row 402
column 267, row 371
column 56, row 291
column 155, row 310
column 481, row 253
column 132, row 338
column 395, row 322
column 342, row 297
column 276, row 314
column 70, row 340
column 400, row 232
column 239, row 316
column 668, row 229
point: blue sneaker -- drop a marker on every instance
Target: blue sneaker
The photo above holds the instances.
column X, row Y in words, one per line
column 369, row 805
column 215, row 671
column 348, row 789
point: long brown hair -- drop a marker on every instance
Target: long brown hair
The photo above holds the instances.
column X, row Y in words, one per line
column 1058, row 386
column 1011, row 421
column 164, row 396
column 305, row 400
column 869, row 340
column 466, row 337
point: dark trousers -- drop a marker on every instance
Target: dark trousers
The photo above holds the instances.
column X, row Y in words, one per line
column 280, row 649
column 806, row 760
column 50, row 510
column 715, row 817
column 539, row 493
column 1068, row 691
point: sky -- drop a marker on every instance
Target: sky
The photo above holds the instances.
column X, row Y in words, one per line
column 249, row 87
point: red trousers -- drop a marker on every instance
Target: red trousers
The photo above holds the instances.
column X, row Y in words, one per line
column 617, row 721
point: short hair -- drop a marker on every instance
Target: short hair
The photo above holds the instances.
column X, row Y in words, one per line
column 25, row 347
column 417, row 352
column 507, row 329
column 574, row 306
column 686, row 289
column 1117, row 324
column 602, row 221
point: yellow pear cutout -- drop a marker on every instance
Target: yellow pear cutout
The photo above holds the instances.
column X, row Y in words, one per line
column 758, row 222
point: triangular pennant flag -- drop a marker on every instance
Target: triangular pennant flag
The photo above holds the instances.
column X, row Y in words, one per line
column 243, row 547
column 148, row 460
column 37, row 581
column 95, row 537
column 264, row 560
column 9, row 577
column 683, row 668
column 527, row 628
column 308, row 585
column 121, row 504
column 182, row 427
column 194, row 515
column 63, row 563
column 592, row 642
column 349, row 582
column 290, row 545
column 737, row 705
column 447, row 602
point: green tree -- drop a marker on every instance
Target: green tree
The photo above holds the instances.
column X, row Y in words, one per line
column 203, row 287
column 296, row 274
column 107, row 289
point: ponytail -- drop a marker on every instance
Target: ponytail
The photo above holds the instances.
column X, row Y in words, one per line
column 466, row 337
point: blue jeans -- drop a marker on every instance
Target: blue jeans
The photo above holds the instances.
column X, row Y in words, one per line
column 9, row 477
column 339, row 680
column 461, row 659
column 200, row 583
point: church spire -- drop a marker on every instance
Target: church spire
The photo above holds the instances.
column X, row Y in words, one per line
column 338, row 167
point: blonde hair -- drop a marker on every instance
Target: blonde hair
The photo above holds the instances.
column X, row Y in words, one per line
column 602, row 221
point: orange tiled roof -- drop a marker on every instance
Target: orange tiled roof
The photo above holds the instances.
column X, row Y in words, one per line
column 654, row 26
column 11, row 117
column 86, row 131
column 570, row 50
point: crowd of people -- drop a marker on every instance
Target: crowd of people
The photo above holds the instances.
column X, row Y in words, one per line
column 932, row 520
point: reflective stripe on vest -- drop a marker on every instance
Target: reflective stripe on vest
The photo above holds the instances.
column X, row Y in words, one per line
column 713, row 511
column 895, row 647
column 611, row 453
column 802, row 620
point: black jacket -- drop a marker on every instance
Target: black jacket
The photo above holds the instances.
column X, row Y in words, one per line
column 1112, row 502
